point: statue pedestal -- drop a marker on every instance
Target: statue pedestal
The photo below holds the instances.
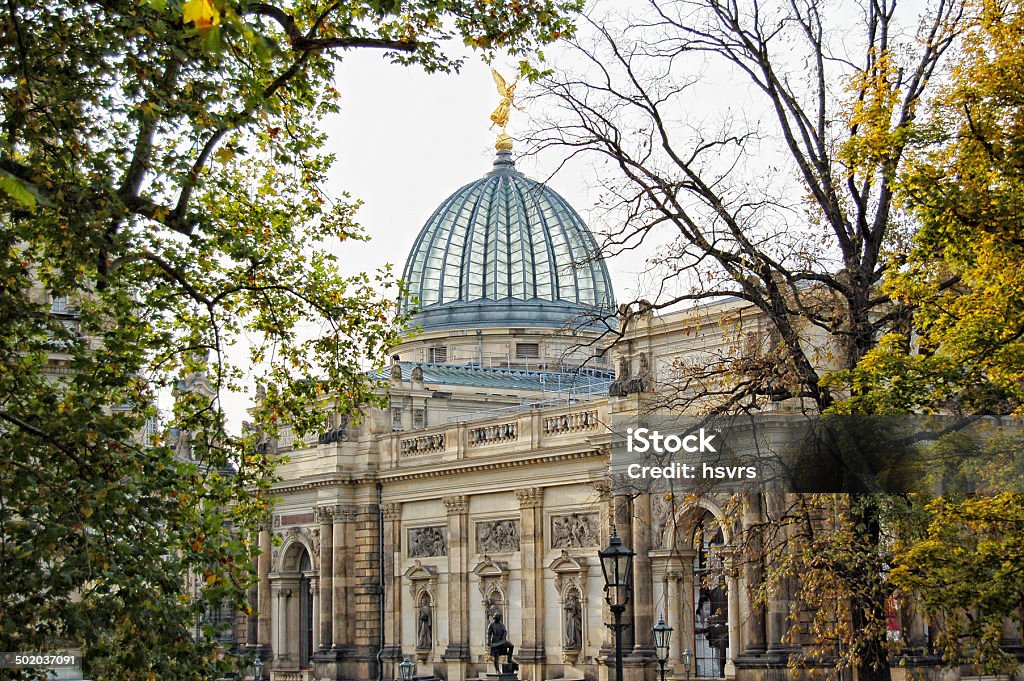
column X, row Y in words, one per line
column 509, row 672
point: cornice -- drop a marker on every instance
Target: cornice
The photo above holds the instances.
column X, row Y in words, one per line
column 458, row 468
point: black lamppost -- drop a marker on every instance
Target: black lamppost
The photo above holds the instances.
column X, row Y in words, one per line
column 406, row 669
column 687, row 657
column 662, row 639
column 617, row 565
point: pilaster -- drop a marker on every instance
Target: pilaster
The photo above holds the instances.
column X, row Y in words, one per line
column 392, row 513
column 263, row 601
column 325, row 518
column 456, row 655
column 643, row 653
column 531, row 518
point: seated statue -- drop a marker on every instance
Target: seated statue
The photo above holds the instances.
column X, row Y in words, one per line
column 497, row 641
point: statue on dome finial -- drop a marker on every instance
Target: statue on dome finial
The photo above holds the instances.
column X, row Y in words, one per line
column 499, row 116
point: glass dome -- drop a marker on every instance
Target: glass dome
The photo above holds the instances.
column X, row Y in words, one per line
column 507, row 251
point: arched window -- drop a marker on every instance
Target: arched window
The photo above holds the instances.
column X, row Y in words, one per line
column 711, row 600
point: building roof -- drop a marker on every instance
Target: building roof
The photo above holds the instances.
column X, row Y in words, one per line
column 584, row 381
column 505, row 250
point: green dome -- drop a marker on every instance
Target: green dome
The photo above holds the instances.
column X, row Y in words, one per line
column 507, row 251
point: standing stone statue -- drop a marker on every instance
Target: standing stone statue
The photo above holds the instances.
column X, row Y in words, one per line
column 425, row 628
column 573, row 623
column 497, row 641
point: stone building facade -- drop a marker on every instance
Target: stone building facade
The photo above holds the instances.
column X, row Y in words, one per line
column 483, row 487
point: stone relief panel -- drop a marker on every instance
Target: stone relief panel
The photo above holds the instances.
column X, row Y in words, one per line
column 497, row 536
column 575, row 530
column 428, row 542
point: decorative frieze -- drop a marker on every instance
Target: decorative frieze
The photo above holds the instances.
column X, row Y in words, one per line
column 392, row 511
column 324, row 514
column 575, row 530
column 530, row 497
column 427, row 542
column 346, row 513
column 497, row 536
column 456, row 504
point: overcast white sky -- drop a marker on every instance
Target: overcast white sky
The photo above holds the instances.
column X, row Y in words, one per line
column 406, row 140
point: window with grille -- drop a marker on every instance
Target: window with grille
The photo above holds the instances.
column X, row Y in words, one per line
column 419, row 417
column 396, row 418
column 59, row 305
column 437, row 355
column 527, row 350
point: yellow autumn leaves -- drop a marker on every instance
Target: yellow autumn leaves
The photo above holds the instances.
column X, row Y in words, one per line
column 201, row 13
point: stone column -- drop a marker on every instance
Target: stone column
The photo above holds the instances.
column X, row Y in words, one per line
column 643, row 584
column 363, row 583
column 315, row 598
column 733, row 614
column 605, row 668
column 343, row 516
column 688, row 621
column 674, row 596
column 623, row 514
column 457, row 653
column 777, row 610
column 263, row 591
column 392, row 580
column 286, row 619
column 531, row 519
column 251, row 620
column 325, row 517
column 753, row 642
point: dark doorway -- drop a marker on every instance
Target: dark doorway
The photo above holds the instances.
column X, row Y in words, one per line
column 305, row 611
column 711, row 600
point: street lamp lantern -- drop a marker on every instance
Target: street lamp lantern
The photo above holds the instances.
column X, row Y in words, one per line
column 687, row 659
column 406, row 669
column 617, row 565
column 662, row 639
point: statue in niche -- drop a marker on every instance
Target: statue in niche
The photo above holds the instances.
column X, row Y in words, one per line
column 498, row 643
column 424, row 628
column 573, row 623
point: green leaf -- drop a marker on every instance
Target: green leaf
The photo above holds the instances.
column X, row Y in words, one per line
column 16, row 189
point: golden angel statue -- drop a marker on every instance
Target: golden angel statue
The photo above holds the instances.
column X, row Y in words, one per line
column 508, row 93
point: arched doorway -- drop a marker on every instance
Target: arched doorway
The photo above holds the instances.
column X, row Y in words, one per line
column 711, row 600
column 305, row 610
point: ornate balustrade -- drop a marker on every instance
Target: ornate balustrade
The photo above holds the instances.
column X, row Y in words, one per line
column 493, row 434
column 422, row 444
column 575, row 422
